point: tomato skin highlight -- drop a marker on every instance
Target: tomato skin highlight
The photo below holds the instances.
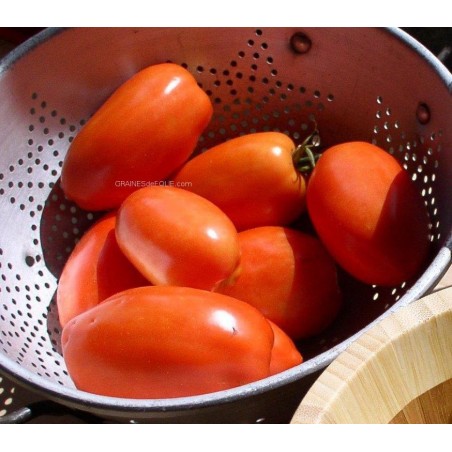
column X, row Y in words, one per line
column 175, row 237
column 95, row 270
column 285, row 354
column 368, row 213
column 290, row 278
column 252, row 178
column 164, row 342
column 144, row 131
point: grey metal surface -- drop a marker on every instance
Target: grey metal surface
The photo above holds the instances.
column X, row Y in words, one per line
column 360, row 84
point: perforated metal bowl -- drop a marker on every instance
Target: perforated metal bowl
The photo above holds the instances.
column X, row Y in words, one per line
column 377, row 85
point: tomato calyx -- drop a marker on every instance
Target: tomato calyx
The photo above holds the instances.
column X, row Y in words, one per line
column 304, row 156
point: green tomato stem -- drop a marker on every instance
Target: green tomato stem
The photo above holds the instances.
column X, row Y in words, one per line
column 304, row 157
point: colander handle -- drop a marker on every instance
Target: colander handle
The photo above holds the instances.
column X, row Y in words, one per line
column 49, row 408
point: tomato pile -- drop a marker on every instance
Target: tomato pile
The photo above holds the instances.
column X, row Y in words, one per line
column 197, row 278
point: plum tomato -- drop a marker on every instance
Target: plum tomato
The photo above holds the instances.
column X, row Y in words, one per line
column 290, row 277
column 164, row 342
column 285, row 354
column 175, row 237
column 252, row 178
column 143, row 132
column 95, row 270
column 369, row 214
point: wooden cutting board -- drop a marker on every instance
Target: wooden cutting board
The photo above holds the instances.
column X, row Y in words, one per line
column 400, row 371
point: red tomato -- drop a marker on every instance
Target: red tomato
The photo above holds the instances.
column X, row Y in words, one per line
column 147, row 128
column 159, row 342
column 368, row 213
column 285, row 354
column 251, row 178
column 289, row 277
column 95, row 270
column 175, row 237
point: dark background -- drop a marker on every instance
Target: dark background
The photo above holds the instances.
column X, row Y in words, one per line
column 438, row 40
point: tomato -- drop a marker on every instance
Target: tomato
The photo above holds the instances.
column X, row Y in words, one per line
column 175, row 237
column 144, row 131
column 285, row 354
column 95, row 270
column 369, row 214
column 159, row 342
column 252, row 178
column 289, row 276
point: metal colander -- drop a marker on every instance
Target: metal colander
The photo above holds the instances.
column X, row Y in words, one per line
column 376, row 85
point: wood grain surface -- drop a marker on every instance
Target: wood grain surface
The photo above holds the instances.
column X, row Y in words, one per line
column 400, row 371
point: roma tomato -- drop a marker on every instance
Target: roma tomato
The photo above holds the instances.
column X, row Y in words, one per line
column 161, row 342
column 368, row 213
column 285, row 354
column 147, row 128
column 252, row 178
column 95, row 270
column 175, row 237
column 290, row 278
